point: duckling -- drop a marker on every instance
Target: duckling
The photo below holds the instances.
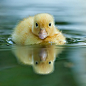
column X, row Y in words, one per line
column 36, row 30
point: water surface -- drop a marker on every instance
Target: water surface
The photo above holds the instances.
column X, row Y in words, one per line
column 18, row 64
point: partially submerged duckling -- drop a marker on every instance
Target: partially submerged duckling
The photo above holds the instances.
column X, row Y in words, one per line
column 37, row 29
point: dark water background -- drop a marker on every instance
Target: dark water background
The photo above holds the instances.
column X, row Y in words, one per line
column 70, row 64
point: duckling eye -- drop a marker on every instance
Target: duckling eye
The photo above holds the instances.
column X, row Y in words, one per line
column 49, row 62
column 49, row 24
column 36, row 63
column 36, row 25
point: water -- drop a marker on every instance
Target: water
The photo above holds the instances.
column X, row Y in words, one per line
column 19, row 65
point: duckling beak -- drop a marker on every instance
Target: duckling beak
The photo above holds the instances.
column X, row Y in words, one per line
column 43, row 55
column 43, row 34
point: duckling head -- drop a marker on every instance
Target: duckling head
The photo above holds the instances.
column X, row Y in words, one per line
column 43, row 25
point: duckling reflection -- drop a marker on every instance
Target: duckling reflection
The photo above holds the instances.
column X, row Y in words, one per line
column 41, row 58
column 23, row 54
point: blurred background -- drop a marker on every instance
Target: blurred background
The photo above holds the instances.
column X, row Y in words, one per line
column 69, row 14
column 70, row 65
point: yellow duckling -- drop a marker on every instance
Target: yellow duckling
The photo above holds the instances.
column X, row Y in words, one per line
column 37, row 29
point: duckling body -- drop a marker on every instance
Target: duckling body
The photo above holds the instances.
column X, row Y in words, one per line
column 37, row 29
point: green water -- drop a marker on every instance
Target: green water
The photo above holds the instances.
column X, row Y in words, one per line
column 18, row 63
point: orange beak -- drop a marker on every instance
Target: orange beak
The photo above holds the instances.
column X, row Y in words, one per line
column 43, row 34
